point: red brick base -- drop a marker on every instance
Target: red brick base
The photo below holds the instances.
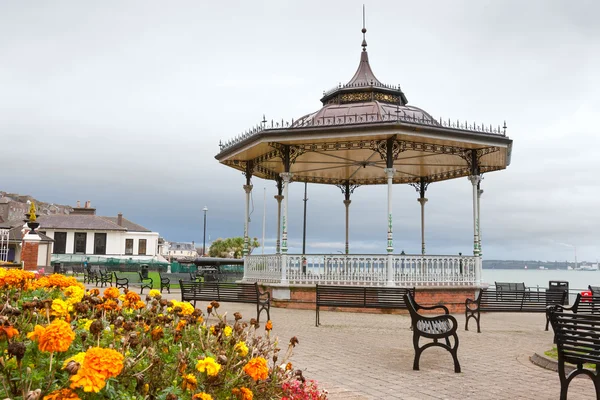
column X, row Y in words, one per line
column 304, row 297
column 29, row 255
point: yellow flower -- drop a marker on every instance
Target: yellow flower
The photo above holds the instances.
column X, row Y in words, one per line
column 241, row 348
column 209, row 365
column 227, row 331
column 60, row 308
column 257, row 368
column 189, row 382
column 78, row 358
column 38, row 331
column 87, row 324
column 202, row 396
column 74, row 294
column 154, row 293
column 62, row 394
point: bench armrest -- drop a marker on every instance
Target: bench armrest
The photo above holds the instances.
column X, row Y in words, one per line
column 434, row 307
column 165, row 281
column 267, row 294
column 470, row 302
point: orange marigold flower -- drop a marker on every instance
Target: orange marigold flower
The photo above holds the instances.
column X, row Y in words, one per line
column 94, row 292
column 202, row 396
column 57, row 336
column 99, row 364
column 56, row 281
column 111, row 293
column 157, row 333
column 189, row 382
column 15, row 277
column 268, row 325
column 242, row 393
column 88, row 379
column 180, row 325
column 132, row 297
column 8, row 331
column 257, row 368
column 62, row 394
column 139, row 305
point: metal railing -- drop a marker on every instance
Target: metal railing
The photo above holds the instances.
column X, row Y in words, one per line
column 361, row 269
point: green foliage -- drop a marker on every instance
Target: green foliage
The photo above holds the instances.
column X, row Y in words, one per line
column 234, row 246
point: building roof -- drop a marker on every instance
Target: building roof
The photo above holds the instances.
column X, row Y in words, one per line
column 16, row 235
column 127, row 224
column 181, row 246
column 83, row 222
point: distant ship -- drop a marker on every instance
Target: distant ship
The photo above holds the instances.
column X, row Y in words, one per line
column 592, row 267
column 542, row 267
column 569, row 267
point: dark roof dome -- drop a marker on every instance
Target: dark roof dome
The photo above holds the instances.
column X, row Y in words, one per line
column 364, row 98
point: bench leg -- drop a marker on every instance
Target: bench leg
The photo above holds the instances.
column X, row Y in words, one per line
column 454, row 352
column 418, row 351
column 317, row 322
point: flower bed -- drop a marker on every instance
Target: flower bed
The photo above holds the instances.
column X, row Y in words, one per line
column 59, row 341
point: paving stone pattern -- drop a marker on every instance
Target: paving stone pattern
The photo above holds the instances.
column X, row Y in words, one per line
column 361, row 356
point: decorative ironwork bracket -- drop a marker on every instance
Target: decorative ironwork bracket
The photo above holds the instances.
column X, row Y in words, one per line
column 295, row 151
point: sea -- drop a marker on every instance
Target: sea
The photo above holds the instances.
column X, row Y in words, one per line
column 578, row 280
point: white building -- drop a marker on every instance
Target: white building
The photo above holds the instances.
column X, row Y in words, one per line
column 179, row 250
column 83, row 233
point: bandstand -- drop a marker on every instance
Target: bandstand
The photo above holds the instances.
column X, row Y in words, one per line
column 366, row 134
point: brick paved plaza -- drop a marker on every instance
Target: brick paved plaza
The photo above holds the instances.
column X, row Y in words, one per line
column 369, row 356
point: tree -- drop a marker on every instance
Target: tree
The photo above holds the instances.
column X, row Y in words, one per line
column 231, row 247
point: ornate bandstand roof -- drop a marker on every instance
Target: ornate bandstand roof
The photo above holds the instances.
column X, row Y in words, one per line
column 361, row 125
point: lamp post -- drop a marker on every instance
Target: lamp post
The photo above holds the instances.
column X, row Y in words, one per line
column 205, row 209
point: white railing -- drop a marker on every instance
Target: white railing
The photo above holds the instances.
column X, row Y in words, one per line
column 362, row 269
column 264, row 268
column 3, row 244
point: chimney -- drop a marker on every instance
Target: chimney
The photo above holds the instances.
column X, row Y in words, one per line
column 120, row 219
column 78, row 204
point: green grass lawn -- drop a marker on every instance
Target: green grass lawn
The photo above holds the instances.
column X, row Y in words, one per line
column 554, row 355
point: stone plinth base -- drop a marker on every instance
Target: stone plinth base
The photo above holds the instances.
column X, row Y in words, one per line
column 304, row 297
column 29, row 255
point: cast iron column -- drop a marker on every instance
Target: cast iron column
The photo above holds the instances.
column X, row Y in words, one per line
column 479, row 193
column 475, row 181
column 390, row 241
column 248, row 190
column 279, row 197
column 286, row 176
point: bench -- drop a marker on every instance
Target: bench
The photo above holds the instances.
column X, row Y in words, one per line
column 510, row 285
column 594, row 289
column 124, row 279
column 360, row 297
column 166, row 278
column 90, row 276
column 577, row 342
column 104, row 277
column 439, row 327
column 511, row 301
column 228, row 292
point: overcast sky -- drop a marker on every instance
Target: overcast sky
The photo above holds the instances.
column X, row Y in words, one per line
column 124, row 104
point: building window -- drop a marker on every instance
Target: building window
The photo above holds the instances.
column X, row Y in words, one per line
column 80, row 242
column 142, row 247
column 99, row 243
column 129, row 246
column 60, row 242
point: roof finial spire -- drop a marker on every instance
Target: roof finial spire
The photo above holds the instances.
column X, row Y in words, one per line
column 364, row 30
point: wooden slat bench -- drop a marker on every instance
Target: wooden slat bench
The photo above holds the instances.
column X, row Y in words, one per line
column 578, row 342
column 439, row 327
column 227, row 292
column 103, row 277
column 124, row 279
column 167, row 278
column 360, row 297
column 511, row 301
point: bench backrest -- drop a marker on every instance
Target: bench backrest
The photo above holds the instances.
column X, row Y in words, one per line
column 586, row 304
column 362, row 296
column 519, row 300
column 595, row 290
column 577, row 337
column 510, row 285
column 220, row 291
